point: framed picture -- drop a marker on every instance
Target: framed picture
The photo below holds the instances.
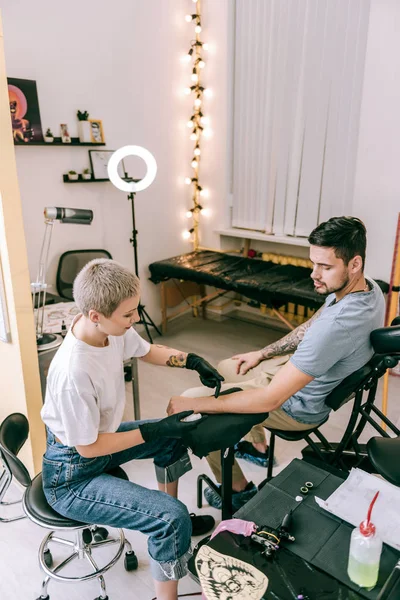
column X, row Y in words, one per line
column 65, row 137
column 24, row 110
column 99, row 161
column 96, row 131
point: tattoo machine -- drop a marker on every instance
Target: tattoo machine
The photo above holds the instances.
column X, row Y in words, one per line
column 271, row 538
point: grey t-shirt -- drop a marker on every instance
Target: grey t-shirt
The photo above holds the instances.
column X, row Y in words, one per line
column 336, row 344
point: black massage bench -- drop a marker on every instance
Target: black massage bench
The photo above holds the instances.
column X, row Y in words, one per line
column 270, row 284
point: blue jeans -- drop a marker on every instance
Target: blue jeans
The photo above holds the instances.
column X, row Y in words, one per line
column 81, row 489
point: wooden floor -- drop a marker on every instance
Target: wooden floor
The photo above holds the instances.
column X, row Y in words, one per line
column 20, row 577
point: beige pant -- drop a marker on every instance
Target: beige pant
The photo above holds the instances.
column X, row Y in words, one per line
column 258, row 377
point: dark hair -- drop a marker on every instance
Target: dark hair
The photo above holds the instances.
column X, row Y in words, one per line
column 346, row 235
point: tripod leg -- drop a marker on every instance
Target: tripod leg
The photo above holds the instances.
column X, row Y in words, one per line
column 150, row 321
column 144, row 322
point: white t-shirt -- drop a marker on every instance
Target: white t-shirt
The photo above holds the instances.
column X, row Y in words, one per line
column 85, row 393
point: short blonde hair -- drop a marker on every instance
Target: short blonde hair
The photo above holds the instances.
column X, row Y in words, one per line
column 102, row 285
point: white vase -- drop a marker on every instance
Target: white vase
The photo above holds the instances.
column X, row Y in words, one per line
column 48, row 139
column 84, row 131
column 73, row 177
column 86, row 176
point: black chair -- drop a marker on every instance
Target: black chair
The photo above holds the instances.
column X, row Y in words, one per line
column 384, row 454
column 69, row 265
column 7, row 474
column 348, row 452
column 13, row 433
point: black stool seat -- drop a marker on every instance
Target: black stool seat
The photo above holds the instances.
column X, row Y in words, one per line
column 295, row 436
column 384, row 454
column 38, row 509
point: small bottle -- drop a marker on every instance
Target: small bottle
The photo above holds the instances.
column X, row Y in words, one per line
column 365, row 552
column 63, row 329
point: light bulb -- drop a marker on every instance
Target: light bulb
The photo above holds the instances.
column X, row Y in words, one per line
column 204, row 120
column 198, row 29
column 187, row 91
column 189, row 214
column 194, row 1
column 195, row 77
column 186, row 58
column 208, row 92
column 194, row 164
column 197, row 102
column 202, row 64
column 190, row 123
column 205, row 212
column 186, row 235
column 188, row 18
column 204, row 193
column 205, row 46
column 197, row 152
column 207, row 132
column 193, row 136
column 188, row 181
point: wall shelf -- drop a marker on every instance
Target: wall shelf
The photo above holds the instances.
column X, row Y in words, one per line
column 57, row 142
column 81, row 180
column 92, row 180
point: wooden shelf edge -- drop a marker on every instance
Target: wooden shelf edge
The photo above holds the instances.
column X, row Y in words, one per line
column 57, row 142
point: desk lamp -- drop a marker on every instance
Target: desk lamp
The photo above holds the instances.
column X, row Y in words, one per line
column 79, row 216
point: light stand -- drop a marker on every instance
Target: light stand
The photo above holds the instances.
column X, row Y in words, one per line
column 131, row 186
column 145, row 318
column 47, row 341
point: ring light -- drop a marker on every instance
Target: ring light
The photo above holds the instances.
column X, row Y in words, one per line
column 132, row 186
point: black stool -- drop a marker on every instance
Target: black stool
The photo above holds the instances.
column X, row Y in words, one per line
column 13, row 434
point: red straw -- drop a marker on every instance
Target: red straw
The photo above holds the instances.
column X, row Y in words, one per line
column 371, row 506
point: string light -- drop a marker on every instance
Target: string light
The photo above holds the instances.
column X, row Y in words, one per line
column 186, row 234
column 196, row 123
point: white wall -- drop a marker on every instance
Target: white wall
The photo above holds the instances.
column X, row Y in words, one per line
column 121, row 61
column 377, row 187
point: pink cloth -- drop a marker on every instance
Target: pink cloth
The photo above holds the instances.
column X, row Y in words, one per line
column 239, row 526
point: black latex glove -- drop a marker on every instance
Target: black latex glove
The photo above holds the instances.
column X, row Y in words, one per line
column 171, row 427
column 208, row 375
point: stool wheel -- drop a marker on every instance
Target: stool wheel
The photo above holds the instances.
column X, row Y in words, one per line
column 48, row 559
column 99, row 534
column 102, row 598
column 87, row 535
column 43, row 598
column 130, row 561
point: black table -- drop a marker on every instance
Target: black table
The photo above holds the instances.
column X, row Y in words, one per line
column 316, row 563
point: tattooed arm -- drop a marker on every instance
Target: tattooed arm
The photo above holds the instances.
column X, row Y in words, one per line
column 165, row 356
column 285, row 345
column 289, row 342
column 162, row 355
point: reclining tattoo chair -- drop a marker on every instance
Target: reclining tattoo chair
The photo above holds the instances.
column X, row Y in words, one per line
column 360, row 387
column 14, row 431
